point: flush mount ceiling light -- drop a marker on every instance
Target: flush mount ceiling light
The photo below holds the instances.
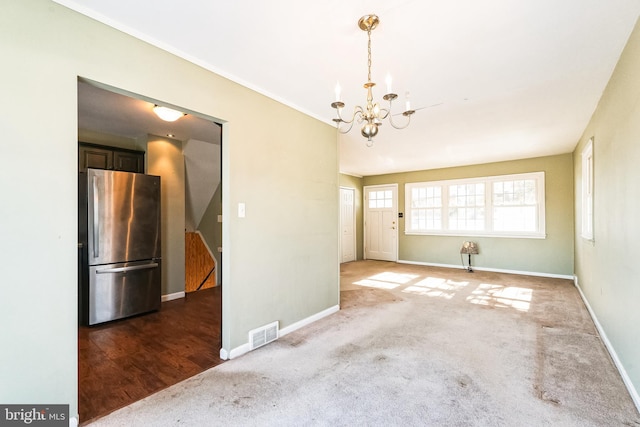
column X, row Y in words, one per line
column 167, row 114
column 371, row 116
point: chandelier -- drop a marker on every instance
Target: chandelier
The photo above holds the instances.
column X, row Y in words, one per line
column 371, row 116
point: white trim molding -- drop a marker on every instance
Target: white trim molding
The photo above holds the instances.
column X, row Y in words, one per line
column 494, row 270
column 612, row 352
column 309, row 320
column 351, row 174
column 235, row 352
column 175, row 295
column 245, row 348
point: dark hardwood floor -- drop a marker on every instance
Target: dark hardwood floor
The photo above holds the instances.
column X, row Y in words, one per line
column 126, row 360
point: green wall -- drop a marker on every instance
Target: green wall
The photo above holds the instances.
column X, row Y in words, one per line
column 165, row 159
column 606, row 268
column 355, row 182
column 553, row 255
column 274, row 269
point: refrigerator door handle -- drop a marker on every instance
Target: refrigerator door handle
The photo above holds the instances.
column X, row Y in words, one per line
column 96, row 219
column 125, row 269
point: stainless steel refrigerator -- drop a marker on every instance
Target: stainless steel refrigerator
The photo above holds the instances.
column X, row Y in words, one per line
column 119, row 247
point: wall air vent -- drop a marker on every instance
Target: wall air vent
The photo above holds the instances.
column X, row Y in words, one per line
column 263, row 335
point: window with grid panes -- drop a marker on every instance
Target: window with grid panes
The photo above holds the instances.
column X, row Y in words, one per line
column 508, row 206
column 380, row 199
column 426, row 208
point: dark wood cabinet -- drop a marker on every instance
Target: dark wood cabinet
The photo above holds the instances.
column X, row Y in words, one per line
column 94, row 157
column 112, row 158
column 128, row 161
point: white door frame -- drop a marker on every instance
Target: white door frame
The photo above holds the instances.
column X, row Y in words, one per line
column 365, row 190
column 355, row 246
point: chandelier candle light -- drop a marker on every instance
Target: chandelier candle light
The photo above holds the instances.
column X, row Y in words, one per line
column 371, row 116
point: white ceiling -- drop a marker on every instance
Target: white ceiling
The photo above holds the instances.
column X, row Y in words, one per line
column 516, row 79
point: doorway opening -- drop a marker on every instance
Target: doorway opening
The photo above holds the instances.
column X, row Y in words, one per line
column 128, row 359
column 203, row 212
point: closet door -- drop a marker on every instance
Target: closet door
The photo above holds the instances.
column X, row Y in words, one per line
column 347, row 225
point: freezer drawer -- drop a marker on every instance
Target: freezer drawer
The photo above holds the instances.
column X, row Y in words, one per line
column 122, row 290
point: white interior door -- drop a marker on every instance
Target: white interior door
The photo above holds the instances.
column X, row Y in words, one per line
column 381, row 222
column 347, row 225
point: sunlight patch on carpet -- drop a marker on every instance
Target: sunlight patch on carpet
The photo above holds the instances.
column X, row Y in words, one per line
column 386, row 280
column 502, row 296
column 436, row 287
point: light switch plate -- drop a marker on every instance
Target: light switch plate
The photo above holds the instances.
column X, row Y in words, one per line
column 241, row 210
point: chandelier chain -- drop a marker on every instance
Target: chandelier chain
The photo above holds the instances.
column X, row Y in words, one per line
column 369, row 56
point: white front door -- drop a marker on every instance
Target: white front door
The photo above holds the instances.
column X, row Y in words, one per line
column 381, row 222
column 347, row 225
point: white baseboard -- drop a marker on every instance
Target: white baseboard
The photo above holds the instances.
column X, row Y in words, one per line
column 235, row 352
column 309, row 320
column 175, row 295
column 614, row 356
column 494, row 270
column 245, row 348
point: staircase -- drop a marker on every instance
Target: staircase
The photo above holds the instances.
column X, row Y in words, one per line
column 199, row 265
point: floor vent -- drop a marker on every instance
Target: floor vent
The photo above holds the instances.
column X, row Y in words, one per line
column 263, row 335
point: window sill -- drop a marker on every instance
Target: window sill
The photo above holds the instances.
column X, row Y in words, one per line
column 477, row 234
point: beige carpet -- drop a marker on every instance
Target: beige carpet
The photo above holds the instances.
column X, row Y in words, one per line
column 415, row 346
